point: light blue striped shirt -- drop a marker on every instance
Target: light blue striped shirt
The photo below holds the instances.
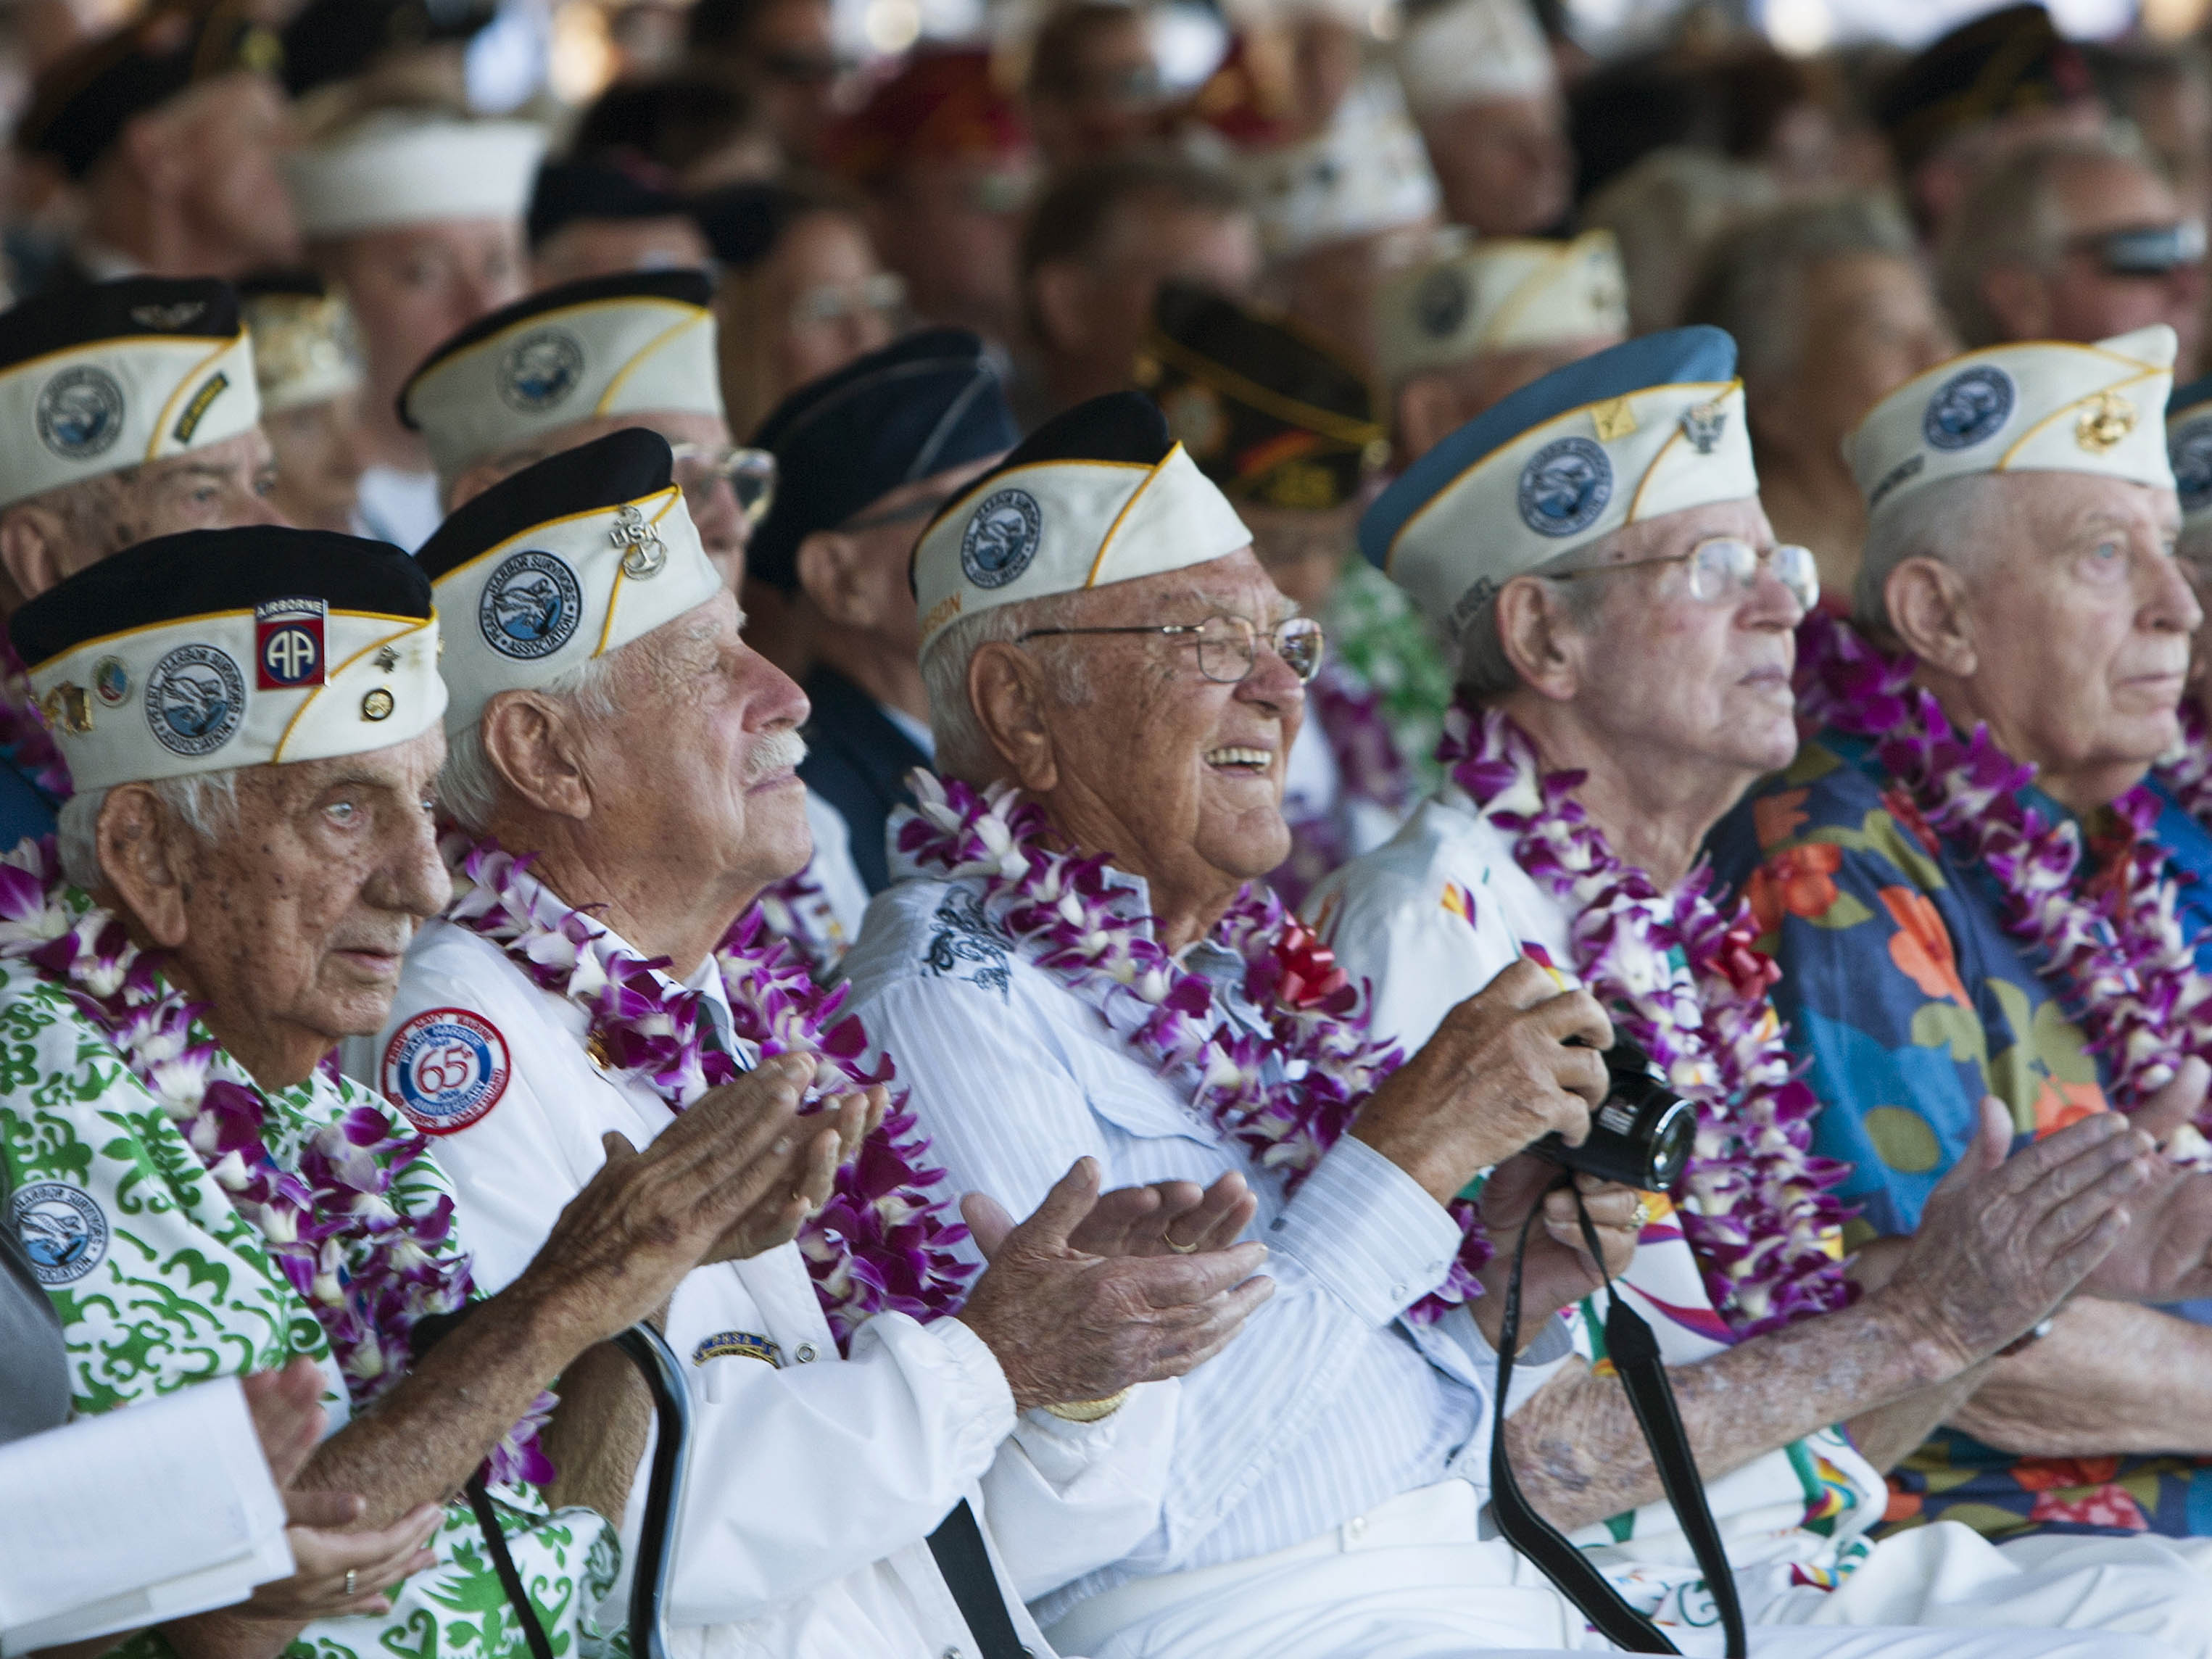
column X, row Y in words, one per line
column 1328, row 1402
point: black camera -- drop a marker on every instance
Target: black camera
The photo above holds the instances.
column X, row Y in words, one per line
column 1641, row 1135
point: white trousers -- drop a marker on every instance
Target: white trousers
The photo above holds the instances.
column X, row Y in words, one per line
column 1412, row 1580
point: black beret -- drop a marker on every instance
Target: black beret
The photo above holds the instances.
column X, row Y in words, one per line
column 82, row 104
column 567, row 190
column 921, row 405
column 690, row 288
column 622, row 467
column 73, row 317
column 335, row 40
column 205, row 573
column 1121, row 426
column 2002, row 64
column 1269, row 410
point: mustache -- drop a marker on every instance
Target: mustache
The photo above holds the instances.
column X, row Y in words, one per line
column 778, row 750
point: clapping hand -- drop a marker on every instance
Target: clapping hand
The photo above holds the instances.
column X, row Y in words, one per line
column 1167, row 1217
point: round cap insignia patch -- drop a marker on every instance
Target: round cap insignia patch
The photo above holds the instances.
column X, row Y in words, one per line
column 540, row 369
column 1971, row 407
column 111, row 681
column 530, row 606
column 61, row 1228
column 2190, row 449
column 1564, row 487
column 1002, row 539
column 195, row 700
column 445, row 1069
column 81, row 413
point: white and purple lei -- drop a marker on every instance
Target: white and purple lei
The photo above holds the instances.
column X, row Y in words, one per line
column 370, row 1272
column 1764, row 1226
column 882, row 1243
column 2108, row 942
column 1287, row 1098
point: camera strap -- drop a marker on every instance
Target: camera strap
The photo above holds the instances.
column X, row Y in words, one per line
column 1634, row 1351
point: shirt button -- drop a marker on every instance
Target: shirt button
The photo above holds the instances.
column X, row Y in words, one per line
column 1356, row 1529
column 954, row 1653
column 1399, row 1291
column 806, row 1352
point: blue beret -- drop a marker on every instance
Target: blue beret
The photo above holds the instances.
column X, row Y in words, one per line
column 1679, row 356
column 923, row 404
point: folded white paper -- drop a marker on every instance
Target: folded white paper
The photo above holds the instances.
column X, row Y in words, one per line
column 153, row 1512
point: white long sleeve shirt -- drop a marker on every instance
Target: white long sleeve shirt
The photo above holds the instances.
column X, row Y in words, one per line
column 1329, row 1401
column 814, row 1481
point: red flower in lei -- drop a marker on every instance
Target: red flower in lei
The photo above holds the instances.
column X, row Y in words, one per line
column 881, row 1244
column 369, row 1273
column 1759, row 1216
column 2105, row 937
column 1285, row 1100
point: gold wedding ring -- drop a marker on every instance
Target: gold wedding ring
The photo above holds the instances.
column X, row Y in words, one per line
column 350, row 1572
column 1180, row 1250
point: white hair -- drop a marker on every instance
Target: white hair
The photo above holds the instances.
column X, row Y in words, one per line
column 1937, row 521
column 1483, row 672
column 469, row 785
column 962, row 750
column 206, row 802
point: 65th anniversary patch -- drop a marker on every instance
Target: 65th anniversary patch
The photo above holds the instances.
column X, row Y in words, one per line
column 445, row 1069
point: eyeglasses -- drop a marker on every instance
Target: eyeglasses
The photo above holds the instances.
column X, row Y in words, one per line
column 2143, row 250
column 1724, row 566
column 1228, row 645
column 750, row 473
column 832, row 302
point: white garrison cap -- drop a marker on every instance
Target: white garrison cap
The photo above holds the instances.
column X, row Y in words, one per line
column 1051, row 519
column 1501, row 295
column 96, row 379
column 1646, row 427
column 2189, row 448
column 2037, row 406
column 399, row 168
column 625, row 344
column 1368, row 172
column 567, row 561
column 221, row 649
column 1466, row 51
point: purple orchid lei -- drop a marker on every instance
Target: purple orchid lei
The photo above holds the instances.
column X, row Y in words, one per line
column 1764, row 1228
column 883, row 1242
column 2187, row 771
column 23, row 733
column 2108, row 941
column 1368, row 768
column 370, row 1272
column 796, row 910
column 1286, row 1101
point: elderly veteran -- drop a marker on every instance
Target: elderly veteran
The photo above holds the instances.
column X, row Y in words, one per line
column 252, row 717
column 417, row 216
column 1481, row 81
column 872, row 453
column 1626, row 646
column 640, row 757
column 2022, row 639
column 137, row 416
column 576, row 362
column 1076, row 965
column 1284, row 422
column 1458, row 330
column 306, row 363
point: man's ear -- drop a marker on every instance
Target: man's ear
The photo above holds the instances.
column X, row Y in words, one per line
column 535, row 750
column 832, row 575
column 1060, row 295
column 1006, row 691
column 1926, row 603
column 2020, row 298
column 142, row 859
column 1428, row 413
column 1532, row 630
column 32, row 540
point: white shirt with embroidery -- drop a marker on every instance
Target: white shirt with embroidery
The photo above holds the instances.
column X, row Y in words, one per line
column 814, row 1480
column 1429, row 920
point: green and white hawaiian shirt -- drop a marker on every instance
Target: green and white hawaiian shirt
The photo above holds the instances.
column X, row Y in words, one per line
column 161, row 1283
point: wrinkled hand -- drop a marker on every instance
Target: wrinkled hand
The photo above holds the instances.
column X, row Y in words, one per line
column 287, row 1419
column 2004, row 1240
column 1069, row 1325
column 734, row 1169
column 1169, row 1217
column 829, row 1140
column 1498, row 1075
column 1559, row 1269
